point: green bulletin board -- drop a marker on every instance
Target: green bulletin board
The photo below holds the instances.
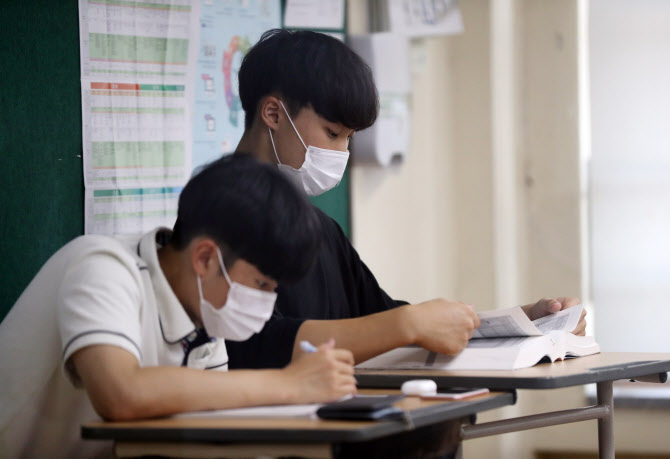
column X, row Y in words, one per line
column 42, row 199
column 40, row 138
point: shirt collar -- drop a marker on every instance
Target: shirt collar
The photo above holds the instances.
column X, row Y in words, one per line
column 175, row 323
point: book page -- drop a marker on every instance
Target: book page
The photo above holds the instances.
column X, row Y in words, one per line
column 515, row 322
column 505, row 322
column 402, row 357
column 513, row 341
column 565, row 320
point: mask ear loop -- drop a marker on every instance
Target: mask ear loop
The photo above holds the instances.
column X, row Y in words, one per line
column 197, row 278
column 273, row 146
column 223, row 268
column 289, row 118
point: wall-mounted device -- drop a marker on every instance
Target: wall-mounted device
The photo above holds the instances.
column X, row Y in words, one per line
column 388, row 140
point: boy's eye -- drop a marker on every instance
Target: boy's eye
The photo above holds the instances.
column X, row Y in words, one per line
column 332, row 134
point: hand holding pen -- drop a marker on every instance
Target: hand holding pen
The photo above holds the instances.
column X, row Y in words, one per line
column 308, row 347
column 324, row 373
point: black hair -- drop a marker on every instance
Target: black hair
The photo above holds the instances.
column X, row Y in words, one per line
column 253, row 212
column 309, row 69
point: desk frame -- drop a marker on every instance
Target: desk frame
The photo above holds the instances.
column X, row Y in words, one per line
column 601, row 369
column 603, row 411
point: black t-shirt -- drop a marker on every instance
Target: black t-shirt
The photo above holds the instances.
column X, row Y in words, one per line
column 339, row 286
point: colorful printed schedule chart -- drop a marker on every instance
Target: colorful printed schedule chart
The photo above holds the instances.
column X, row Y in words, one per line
column 137, row 39
column 137, row 71
column 129, row 210
column 135, row 134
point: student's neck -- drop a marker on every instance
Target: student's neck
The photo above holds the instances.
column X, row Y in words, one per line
column 256, row 141
column 182, row 283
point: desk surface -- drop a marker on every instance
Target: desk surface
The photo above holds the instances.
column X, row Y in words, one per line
column 220, row 429
column 606, row 366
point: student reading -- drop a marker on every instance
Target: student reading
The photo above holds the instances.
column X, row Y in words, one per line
column 304, row 95
column 138, row 322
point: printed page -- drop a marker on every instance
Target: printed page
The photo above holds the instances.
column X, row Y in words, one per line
column 402, row 357
column 420, row 18
column 514, row 341
column 505, row 322
column 130, row 210
column 314, row 14
column 138, row 62
column 565, row 320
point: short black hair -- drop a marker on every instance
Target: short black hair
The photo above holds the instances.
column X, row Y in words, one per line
column 253, row 212
column 309, row 69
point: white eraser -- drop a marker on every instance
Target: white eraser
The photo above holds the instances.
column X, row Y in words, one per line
column 419, row 387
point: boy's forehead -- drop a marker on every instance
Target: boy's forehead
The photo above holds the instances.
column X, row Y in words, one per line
column 307, row 112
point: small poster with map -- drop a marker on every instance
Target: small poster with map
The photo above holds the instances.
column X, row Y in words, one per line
column 228, row 29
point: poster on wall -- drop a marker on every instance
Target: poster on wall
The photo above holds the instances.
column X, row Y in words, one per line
column 137, row 68
column 228, row 29
column 421, row 18
column 159, row 98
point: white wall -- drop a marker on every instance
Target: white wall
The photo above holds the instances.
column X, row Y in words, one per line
column 430, row 227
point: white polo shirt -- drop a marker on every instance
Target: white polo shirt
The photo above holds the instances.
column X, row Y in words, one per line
column 95, row 290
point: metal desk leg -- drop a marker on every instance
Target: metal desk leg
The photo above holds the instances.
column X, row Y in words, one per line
column 459, row 452
column 606, row 423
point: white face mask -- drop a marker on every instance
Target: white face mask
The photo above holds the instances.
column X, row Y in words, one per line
column 322, row 169
column 245, row 312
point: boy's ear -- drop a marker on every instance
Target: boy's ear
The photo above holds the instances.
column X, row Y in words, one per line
column 204, row 258
column 270, row 112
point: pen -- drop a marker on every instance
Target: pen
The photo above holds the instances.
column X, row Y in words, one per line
column 308, row 347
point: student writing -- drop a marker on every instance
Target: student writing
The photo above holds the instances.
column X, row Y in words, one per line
column 139, row 323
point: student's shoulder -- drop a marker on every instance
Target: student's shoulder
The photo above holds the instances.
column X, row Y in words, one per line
column 119, row 249
column 332, row 234
column 97, row 242
column 328, row 223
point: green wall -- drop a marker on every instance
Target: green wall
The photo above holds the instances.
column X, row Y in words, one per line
column 40, row 138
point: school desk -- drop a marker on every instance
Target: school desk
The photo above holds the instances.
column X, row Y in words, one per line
column 427, row 425
column 602, row 369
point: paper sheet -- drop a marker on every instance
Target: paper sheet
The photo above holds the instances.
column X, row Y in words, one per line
column 274, row 411
column 565, row 320
column 315, row 14
column 137, row 73
column 505, row 322
column 515, row 322
column 417, row 18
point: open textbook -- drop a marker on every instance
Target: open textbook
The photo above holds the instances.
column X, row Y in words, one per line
column 506, row 340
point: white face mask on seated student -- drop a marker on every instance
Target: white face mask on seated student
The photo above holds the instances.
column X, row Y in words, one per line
column 245, row 312
column 322, row 169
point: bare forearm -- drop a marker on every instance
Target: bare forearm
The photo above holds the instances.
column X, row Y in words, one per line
column 365, row 336
column 120, row 389
column 161, row 391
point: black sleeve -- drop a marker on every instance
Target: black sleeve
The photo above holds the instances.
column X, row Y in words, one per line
column 338, row 286
column 271, row 348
